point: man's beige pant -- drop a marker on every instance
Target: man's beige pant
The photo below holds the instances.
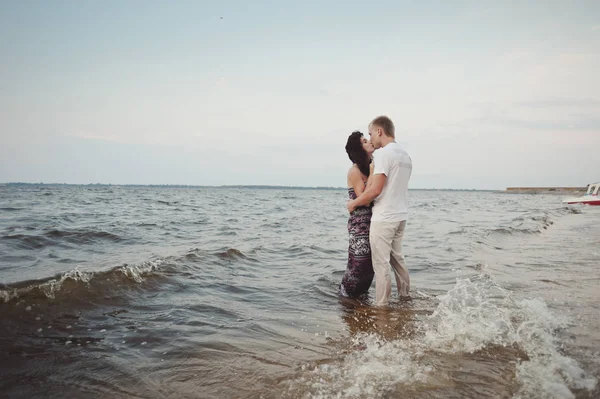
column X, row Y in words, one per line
column 386, row 251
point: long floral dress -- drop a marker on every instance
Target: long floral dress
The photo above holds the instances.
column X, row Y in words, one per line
column 359, row 271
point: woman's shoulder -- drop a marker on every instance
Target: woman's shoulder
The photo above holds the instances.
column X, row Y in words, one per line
column 353, row 170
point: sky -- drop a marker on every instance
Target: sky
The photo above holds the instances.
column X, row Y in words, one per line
column 483, row 94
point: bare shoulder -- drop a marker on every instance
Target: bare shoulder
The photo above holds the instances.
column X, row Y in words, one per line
column 353, row 172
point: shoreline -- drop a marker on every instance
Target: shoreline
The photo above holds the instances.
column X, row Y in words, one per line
column 547, row 190
column 232, row 186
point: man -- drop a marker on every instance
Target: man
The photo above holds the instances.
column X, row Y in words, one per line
column 392, row 168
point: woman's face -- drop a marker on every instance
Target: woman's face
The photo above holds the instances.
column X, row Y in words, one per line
column 367, row 146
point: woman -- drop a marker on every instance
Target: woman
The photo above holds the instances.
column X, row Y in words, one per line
column 359, row 272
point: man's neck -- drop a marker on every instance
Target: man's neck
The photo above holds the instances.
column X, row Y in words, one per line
column 387, row 140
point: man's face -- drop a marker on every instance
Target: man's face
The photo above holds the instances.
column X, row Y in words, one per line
column 375, row 135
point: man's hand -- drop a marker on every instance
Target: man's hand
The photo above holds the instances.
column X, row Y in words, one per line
column 350, row 205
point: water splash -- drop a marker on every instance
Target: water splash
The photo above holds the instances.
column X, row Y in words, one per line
column 475, row 317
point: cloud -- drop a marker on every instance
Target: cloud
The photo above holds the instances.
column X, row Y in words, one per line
column 596, row 28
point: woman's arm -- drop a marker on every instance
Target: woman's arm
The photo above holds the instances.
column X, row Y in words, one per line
column 369, row 194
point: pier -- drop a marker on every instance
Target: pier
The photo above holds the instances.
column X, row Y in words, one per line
column 546, row 190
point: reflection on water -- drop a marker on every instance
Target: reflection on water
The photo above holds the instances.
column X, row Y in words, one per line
column 388, row 323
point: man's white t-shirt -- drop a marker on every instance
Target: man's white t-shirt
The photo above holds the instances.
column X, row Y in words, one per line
column 395, row 163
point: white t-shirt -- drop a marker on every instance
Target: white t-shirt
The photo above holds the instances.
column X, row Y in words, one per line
column 395, row 163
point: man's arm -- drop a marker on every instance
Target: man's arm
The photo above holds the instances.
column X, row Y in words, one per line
column 373, row 190
column 371, row 174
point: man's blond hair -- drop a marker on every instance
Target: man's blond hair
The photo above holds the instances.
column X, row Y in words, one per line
column 386, row 125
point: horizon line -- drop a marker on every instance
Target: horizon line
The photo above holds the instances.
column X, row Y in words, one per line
column 260, row 186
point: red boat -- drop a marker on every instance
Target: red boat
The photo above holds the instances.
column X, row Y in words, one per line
column 591, row 197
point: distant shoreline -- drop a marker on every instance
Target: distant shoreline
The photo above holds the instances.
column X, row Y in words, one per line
column 257, row 187
column 546, row 190
column 509, row 190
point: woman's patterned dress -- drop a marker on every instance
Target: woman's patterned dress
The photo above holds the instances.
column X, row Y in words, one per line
column 359, row 272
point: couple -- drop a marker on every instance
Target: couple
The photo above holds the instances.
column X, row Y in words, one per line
column 376, row 229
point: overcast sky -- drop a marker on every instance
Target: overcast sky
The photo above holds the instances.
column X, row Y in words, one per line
column 484, row 94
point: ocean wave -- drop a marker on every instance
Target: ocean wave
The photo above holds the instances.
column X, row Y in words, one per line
column 75, row 282
column 231, row 253
column 170, row 203
column 574, row 211
column 57, row 237
column 306, row 250
column 524, row 225
column 28, row 241
column 512, row 231
column 79, row 282
column 203, row 255
column 82, row 236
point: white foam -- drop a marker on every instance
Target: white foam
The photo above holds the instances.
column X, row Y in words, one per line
column 363, row 373
column 137, row 272
column 8, row 295
column 476, row 314
column 470, row 317
column 547, row 369
column 50, row 287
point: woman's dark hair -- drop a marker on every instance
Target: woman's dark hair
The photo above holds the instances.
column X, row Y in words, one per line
column 357, row 153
